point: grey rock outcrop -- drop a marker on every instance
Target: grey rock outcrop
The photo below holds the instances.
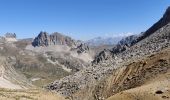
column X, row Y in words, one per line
column 82, row 48
column 102, row 56
column 10, row 35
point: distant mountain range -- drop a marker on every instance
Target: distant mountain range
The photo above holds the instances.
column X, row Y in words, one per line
column 103, row 41
column 98, row 41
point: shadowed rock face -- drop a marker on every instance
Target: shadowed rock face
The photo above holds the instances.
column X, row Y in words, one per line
column 162, row 22
column 44, row 39
column 41, row 40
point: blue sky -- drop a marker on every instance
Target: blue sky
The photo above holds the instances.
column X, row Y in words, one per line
column 81, row 19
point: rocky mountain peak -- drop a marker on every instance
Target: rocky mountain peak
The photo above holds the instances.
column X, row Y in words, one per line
column 44, row 39
column 10, row 35
column 166, row 16
column 41, row 40
column 57, row 34
column 58, row 38
column 43, row 34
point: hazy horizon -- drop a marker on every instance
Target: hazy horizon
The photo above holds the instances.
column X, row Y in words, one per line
column 82, row 20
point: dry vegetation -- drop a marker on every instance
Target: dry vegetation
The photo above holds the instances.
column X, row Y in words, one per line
column 31, row 94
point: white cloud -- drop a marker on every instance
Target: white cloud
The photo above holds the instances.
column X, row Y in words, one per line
column 119, row 35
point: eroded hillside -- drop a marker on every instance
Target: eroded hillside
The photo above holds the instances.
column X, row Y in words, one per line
column 151, row 71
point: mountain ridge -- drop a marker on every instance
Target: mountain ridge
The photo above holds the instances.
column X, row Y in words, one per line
column 44, row 39
column 159, row 24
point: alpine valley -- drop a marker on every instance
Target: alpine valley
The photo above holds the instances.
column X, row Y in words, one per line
column 53, row 66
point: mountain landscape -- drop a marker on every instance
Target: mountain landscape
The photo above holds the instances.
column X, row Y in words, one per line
column 54, row 66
